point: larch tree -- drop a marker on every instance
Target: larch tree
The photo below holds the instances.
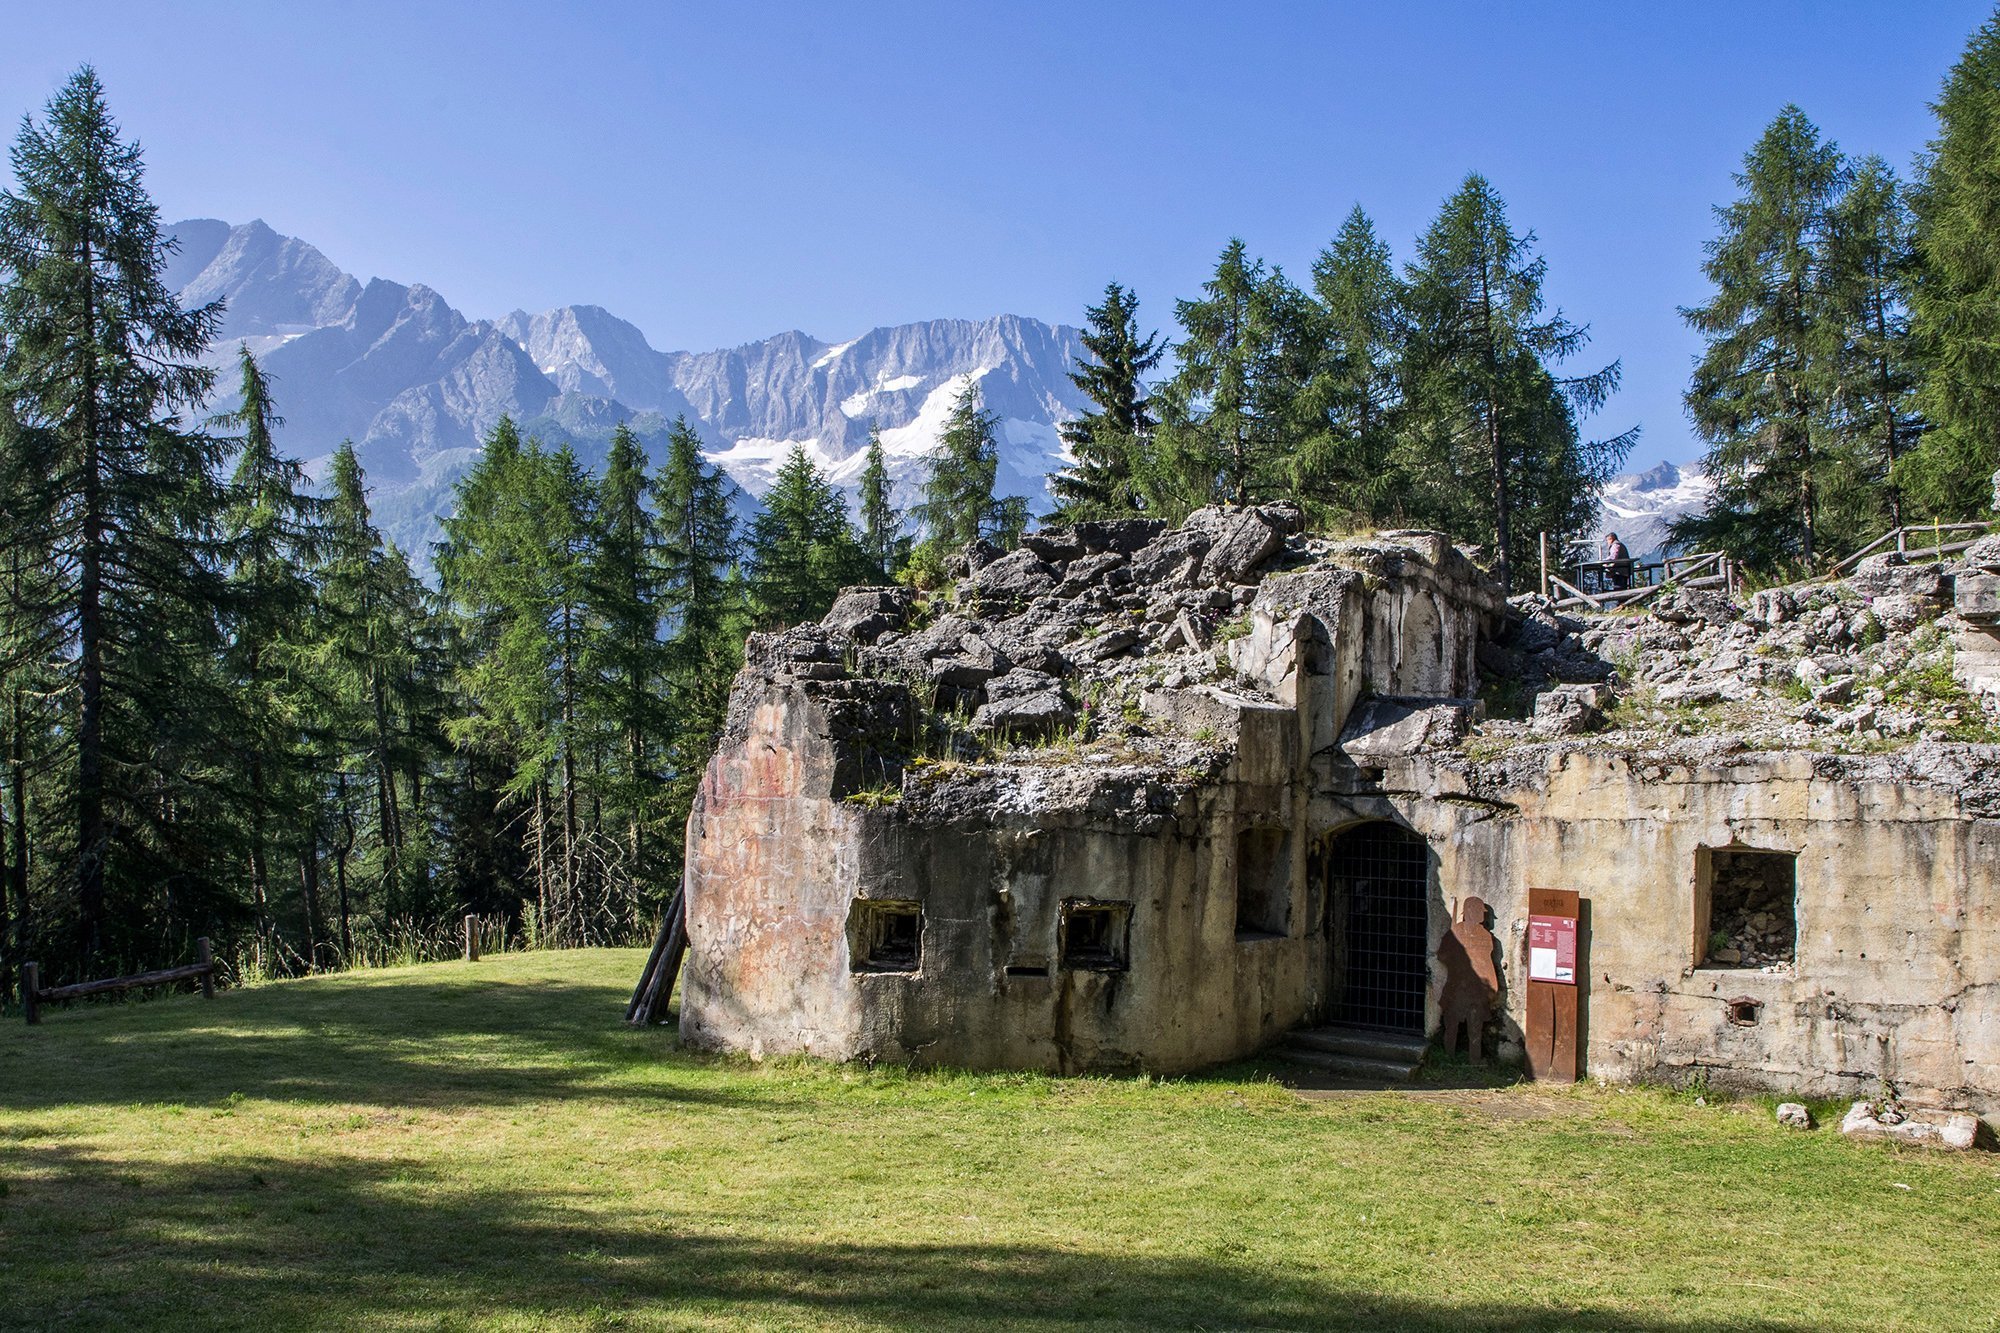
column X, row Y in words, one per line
column 271, row 534
column 1875, row 409
column 958, row 504
column 1226, row 414
column 1349, row 402
column 1483, row 439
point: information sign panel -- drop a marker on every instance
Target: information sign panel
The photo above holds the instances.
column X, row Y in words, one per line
column 1552, row 948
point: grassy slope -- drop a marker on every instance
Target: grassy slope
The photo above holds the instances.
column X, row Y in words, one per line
column 450, row 1146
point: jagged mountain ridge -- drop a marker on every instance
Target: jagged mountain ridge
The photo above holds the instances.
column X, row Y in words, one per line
column 416, row 384
column 1639, row 506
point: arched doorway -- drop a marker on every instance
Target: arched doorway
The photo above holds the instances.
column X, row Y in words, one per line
column 1378, row 920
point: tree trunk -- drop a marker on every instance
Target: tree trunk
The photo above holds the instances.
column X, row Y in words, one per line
column 340, row 853
column 309, row 895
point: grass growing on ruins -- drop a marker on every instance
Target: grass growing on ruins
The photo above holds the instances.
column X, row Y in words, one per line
column 450, row 1146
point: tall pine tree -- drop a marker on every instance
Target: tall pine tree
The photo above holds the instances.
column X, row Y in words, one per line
column 100, row 363
column 1955, row 303
column 1120, row 423
column 1349, row 402
column 1492, row 427
column 1763, row 391
column 882, row 540
column 801, row 547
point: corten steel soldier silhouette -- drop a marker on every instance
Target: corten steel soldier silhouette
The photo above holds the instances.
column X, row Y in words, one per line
column 1471, row 980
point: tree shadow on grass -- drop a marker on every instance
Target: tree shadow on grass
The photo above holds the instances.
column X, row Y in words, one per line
column 454, row 1038
column 269, row 1243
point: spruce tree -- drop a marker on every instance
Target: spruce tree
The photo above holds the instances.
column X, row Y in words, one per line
column 1103, row 440
column 801, row 548
column 958, row 504
column 374, row 675
column 882, row 540
column 1348, row 405
column 1483, row 440
column 1763, row 392
column 271, row 533
column 99, row 364
column 1955, row 301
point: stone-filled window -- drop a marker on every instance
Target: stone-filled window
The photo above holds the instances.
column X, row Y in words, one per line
column 885, row 935
column 1263, row 883
column 1746, row 907
column 1096, row 935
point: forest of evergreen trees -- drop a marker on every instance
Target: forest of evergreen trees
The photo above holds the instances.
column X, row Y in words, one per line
column 229, row 708
column 1850, row 380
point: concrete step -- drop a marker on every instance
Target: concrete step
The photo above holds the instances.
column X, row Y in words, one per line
column 1360, row 1043
column 1354, row 1053
column 1349, row 1066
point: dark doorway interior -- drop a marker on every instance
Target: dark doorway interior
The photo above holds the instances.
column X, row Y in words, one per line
column 1379, row 913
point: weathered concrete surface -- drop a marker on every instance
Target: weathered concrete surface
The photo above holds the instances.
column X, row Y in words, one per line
column 1153, row 887
column 1898, row 957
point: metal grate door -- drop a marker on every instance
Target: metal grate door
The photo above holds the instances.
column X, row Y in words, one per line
column 1381, row 873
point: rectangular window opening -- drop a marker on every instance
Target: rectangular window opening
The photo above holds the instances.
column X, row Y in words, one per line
column 886, row 936
column 1746, row 907
column 1096, row 936
column 1263, row 884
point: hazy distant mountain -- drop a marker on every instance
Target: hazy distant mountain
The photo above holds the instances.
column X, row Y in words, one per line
column 416, row 385
column 1639, row 505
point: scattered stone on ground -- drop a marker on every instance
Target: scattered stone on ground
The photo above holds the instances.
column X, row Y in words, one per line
column 1921, row 1127
column 1795, row 1114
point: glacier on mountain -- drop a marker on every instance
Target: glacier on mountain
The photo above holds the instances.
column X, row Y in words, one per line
column 416, row 384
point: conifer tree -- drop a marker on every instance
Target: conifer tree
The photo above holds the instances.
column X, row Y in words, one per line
column 1348, row 405
column 958, row 504
column 801, row 548
column 882, row 540
column 1955, row 301
column 1876, row 417
column 629, row 664
column 1102, row 441
column 704, row 601
column 1484, row 440
column 270, row 528
column 1763, row 392
column 99, row 364
column 1226, row 415
column 374, row 677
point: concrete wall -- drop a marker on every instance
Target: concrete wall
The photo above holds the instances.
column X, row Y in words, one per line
column 1898, row 957
column 777, row 859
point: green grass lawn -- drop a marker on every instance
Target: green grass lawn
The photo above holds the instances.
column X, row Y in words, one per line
column 487, row 1146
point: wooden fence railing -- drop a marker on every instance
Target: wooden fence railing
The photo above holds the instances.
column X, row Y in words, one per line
column 1605, row 585
column 33, row 996
column 1922, row 541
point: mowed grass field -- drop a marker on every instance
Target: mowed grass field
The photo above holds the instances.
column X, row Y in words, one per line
column 486, row 1146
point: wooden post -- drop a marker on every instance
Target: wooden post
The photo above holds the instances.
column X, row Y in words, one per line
column 471, row 938
column 1545, row 564
column 206, row 957
column 31, row 988
column 1937, row 540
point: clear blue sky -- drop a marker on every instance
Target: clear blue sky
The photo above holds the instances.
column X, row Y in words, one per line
column 720, row 172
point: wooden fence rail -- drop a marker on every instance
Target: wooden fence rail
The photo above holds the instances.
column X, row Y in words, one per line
column 34, row 995
column 1929, row 538
column 1699, row 569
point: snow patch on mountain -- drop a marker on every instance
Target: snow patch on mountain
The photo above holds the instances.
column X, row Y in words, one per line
column 1639, row 506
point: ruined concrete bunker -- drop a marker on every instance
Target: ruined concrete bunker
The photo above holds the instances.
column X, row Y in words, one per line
column 1138, row 798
